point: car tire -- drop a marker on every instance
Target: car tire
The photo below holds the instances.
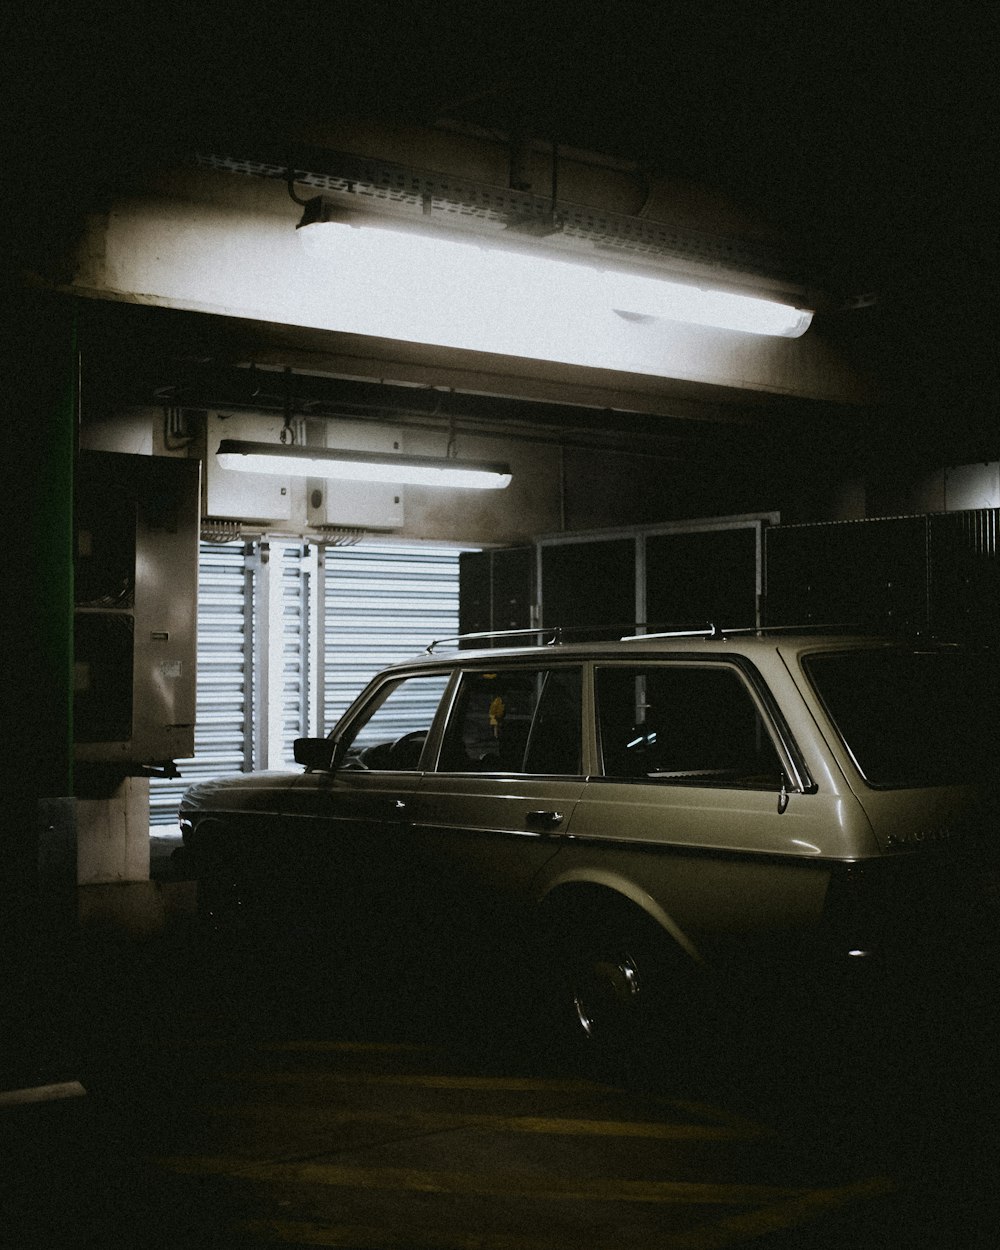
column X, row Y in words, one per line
column 221, row 908
column 221, row 902
column 622, row 993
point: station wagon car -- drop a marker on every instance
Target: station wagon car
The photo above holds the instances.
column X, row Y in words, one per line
column 638, row 815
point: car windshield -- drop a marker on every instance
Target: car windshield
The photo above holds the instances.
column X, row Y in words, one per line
column 912, row 717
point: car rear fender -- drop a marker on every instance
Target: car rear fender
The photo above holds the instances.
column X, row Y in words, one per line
column 577, row 889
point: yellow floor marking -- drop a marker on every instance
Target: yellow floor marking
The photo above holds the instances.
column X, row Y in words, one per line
column 304, row 1045
column 554, row 1126
column 705, row 1111
column 365, row 1237
column 41, row 1093
column 735, row 1230
column 359, row 1048
column 724, row 1234
column 419, row 1080
column 519, row 1185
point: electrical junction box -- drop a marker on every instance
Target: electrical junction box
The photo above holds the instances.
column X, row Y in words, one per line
column 136, row 591
column 970, row 486
column 233, row 494
column 356, row 505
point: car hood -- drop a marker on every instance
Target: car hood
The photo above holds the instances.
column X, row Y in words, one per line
column 247, row 792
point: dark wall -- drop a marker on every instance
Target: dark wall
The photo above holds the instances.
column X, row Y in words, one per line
column 39, row 371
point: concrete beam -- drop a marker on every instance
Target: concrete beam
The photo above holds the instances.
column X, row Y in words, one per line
column 226, row 244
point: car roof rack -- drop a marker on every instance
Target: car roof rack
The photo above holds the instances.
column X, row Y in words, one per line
column 549, row 635
column 544, row 637
column 760, row 631
column 554, row 634
column 705, row 631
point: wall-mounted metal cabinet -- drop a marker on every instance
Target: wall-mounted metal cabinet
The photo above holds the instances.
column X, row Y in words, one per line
column 496, row 589
column 963, row 574
column 934, row 574
column 135, row 574
column 703, row 575
column 683, row 573
column 589, row 584
column 674, row 574
column 233, row 493
column 362, row 505
column 868, row 574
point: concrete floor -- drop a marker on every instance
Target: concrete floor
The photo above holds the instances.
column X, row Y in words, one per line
column 233, row 1102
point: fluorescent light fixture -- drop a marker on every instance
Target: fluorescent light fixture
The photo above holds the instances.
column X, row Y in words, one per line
column 289, row 460
column 452, row 265
column 638, row 295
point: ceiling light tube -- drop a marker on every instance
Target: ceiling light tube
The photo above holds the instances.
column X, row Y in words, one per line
column 456, row 262
column 637, row 295
column 361, row 466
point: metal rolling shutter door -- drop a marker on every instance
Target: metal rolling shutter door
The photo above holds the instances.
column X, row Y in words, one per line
column 222, row 731
column 296, row 589
column 382, row 603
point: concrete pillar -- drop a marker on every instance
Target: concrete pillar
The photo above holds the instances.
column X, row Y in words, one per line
column 112, row 835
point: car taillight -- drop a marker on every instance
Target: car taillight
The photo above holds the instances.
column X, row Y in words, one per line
column 856, row 910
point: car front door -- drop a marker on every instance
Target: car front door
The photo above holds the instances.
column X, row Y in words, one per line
column 348, row 825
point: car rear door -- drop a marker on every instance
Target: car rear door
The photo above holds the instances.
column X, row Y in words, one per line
column 497, row 806
column 691, row 815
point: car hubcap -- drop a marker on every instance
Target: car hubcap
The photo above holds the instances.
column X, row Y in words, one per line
column 605, row 1000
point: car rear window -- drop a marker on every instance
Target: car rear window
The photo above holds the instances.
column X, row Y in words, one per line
column 683, row 724
column 912, row 717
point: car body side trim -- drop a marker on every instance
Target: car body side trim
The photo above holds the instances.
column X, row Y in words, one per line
column 671, row 849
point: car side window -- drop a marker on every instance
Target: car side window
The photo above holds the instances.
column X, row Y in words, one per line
column 515, row 721
column 684, row 724
column 391, row 730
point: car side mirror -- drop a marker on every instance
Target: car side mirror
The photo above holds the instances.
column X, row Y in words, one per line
column 318, row 753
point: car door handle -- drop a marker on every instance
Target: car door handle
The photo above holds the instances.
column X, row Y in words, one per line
column 546, row 820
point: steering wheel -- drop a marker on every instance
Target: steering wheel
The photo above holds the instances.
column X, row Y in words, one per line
column 382, row 755
column 415, row 738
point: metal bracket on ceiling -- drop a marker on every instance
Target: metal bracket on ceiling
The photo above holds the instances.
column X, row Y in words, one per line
column 446, row 199
column 865, row 299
